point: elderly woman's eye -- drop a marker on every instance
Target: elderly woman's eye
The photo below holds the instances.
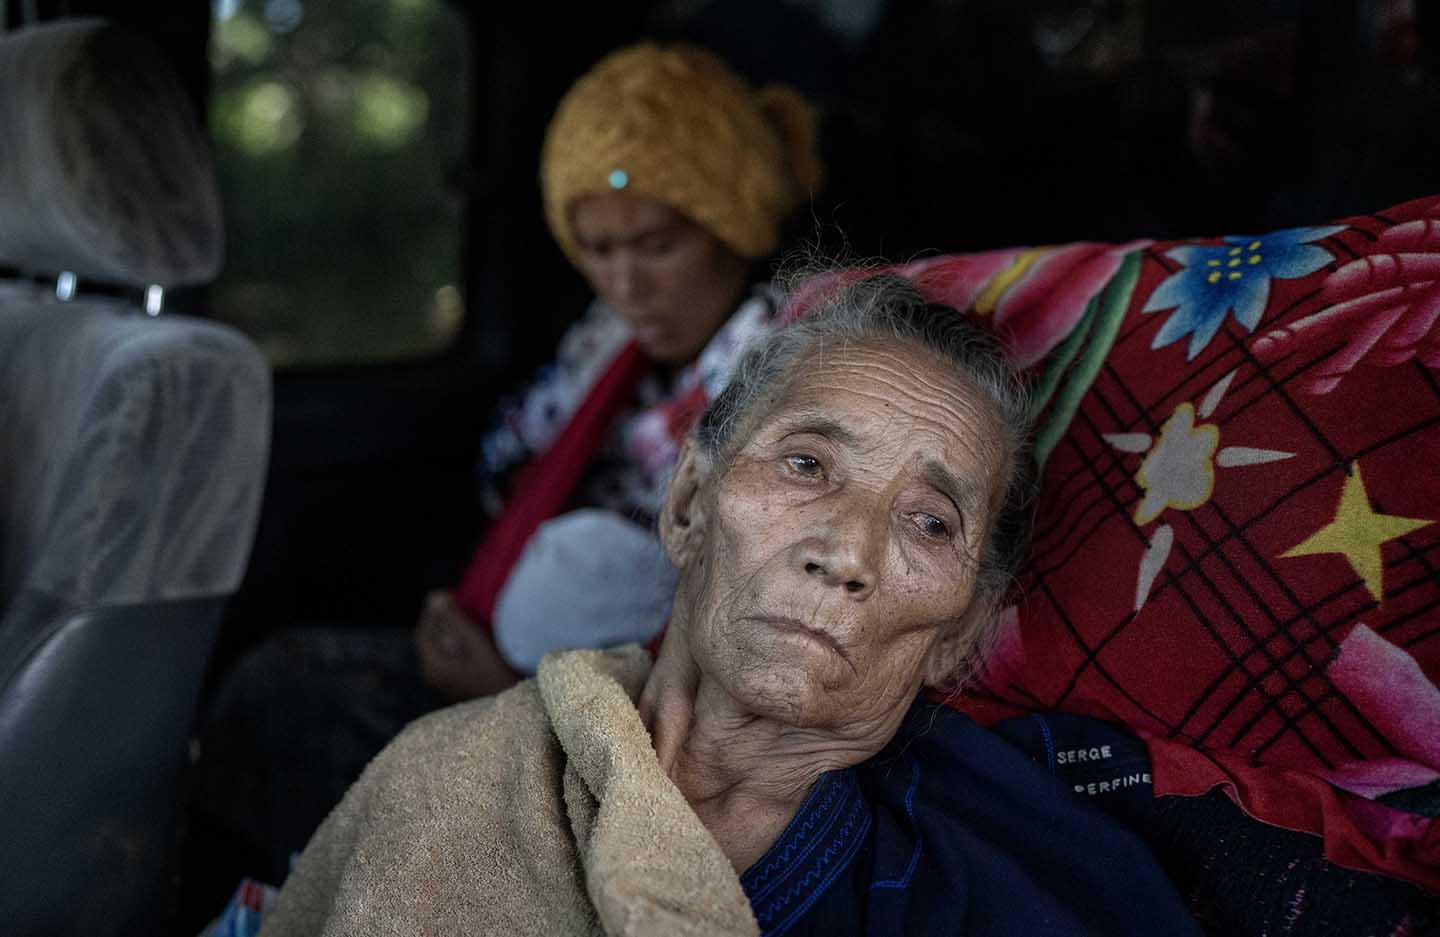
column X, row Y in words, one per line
column 931, row 526
column 806, row 465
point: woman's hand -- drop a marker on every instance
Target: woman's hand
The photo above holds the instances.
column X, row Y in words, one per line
column 457, row 655
column 667, row 704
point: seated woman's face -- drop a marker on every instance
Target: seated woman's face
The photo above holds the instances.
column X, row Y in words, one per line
column 674, row 282
column 839, row 549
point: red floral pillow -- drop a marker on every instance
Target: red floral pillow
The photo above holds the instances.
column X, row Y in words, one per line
column 1237, row 547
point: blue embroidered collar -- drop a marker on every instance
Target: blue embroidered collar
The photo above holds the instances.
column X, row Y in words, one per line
column 814, row 850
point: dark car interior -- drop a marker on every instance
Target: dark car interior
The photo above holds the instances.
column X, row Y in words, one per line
column 377, row 236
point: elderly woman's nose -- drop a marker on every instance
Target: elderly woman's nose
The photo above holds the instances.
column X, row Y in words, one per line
column 857, row 581
column 842, row 556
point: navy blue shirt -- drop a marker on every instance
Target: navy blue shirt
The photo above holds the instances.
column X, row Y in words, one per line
column 955, row 829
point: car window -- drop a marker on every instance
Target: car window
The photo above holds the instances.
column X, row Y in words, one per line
column 339, row 129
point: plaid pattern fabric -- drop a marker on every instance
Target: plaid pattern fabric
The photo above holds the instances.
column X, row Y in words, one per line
column 1237, row 548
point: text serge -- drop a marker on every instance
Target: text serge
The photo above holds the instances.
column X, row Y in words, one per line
column 1080, row 755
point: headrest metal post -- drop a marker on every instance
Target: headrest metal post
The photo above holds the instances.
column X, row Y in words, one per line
column 65, row 286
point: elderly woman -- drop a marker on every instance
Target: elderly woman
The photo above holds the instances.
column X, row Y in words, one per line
column 843, row 520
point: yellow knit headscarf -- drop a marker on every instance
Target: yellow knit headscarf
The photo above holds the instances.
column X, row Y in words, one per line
column 673, row 123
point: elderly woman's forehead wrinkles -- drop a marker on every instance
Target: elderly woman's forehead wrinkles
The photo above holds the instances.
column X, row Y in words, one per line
column 911, row 373
column 947, row 423
column 887, row 387
column 813, row 420
column 911, row 362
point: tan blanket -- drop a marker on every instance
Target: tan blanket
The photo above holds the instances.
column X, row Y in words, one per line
column 539, row 811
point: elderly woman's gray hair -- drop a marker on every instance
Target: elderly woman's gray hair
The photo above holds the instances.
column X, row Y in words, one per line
column 886, row 307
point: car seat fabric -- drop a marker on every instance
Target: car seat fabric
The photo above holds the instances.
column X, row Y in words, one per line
column 133, row 450
column 115, row 426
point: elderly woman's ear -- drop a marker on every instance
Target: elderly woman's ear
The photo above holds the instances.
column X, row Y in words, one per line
column 952, row 647
column 682, row 517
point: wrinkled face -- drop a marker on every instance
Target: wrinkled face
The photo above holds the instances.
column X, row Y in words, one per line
column 838, row 558
column 674, row 282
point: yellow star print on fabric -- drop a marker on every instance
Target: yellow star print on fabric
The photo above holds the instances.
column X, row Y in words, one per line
column 1357, row 533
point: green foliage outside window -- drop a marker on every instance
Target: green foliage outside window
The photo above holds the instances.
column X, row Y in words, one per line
column 337, row 124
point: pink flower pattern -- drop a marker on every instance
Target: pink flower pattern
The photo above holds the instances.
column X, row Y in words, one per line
column 1035, row 296
column 1385, row 305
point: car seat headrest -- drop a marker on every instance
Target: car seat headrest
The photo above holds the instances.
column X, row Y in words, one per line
column 105, row 171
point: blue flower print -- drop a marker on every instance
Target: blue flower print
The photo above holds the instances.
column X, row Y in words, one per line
column 1232, row 276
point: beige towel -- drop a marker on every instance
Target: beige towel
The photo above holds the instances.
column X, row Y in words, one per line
column 539, row 811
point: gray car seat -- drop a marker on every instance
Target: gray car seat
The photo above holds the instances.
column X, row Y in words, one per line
column 133, row 448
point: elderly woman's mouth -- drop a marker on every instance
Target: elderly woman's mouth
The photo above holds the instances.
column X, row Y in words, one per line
column 795, row 625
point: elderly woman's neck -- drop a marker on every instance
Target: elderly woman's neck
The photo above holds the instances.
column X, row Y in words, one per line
column 746, row 775
column 728, row 748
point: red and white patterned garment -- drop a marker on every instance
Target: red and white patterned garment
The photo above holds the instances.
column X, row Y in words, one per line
column 629, row 473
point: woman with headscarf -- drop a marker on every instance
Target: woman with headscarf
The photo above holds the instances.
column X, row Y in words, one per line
column 666, row 180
